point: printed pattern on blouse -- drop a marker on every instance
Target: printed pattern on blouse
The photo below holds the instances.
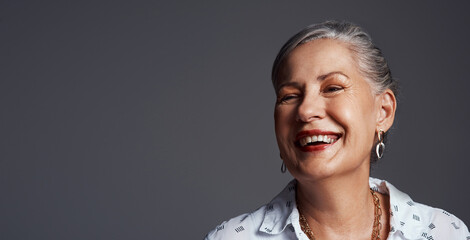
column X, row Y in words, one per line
column 279, row 219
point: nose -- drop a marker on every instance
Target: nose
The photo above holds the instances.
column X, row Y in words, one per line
column 311, row 108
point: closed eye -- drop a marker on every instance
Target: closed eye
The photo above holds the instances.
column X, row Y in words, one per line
column 332, row 89
column 288, row 98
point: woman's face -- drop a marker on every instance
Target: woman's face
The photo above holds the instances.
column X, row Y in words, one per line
column 326, row 113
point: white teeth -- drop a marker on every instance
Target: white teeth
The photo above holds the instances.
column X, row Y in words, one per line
column 312, row 139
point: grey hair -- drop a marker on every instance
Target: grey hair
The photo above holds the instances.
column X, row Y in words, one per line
column 370, row 61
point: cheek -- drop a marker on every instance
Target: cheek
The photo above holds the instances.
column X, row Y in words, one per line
column 353, row 114
column 343, row 112
column 282, row 117
column 283, row 124
column 279, row 124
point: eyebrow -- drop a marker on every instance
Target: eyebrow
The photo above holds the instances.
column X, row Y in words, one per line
column 324, row 76
column 287, row 84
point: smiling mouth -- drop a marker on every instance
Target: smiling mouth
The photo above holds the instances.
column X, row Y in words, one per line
column 315, row 140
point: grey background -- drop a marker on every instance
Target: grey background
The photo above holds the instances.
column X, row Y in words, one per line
column 154, row 120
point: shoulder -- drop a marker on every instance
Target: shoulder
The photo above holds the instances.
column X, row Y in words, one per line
column 413, row 220
column 440, row 224
column 267, row 222
column 245, row 226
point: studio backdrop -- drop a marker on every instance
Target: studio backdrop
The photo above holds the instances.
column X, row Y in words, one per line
column 154, row 119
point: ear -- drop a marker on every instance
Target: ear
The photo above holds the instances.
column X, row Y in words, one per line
column 387, row 104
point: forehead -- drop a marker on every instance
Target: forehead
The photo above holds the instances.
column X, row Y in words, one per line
column 316, row 58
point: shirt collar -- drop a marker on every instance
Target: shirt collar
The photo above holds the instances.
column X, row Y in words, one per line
column 405, row 218
column 281, row 211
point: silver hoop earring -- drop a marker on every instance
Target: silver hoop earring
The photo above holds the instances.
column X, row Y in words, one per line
column 283, row 167
column 380, row 148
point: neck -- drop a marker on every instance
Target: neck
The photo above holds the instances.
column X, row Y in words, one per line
column 337, row 206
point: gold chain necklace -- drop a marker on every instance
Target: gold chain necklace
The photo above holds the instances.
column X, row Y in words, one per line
column 375, row 229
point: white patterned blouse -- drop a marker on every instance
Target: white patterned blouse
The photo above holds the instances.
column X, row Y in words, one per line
column 279, row 219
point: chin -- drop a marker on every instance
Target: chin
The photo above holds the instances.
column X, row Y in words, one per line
column 314, row 172
column 322, row 169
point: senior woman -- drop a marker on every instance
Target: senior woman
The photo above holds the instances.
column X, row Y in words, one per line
column 335, row 103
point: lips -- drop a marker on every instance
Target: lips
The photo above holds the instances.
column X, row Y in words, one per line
column 315, row 140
